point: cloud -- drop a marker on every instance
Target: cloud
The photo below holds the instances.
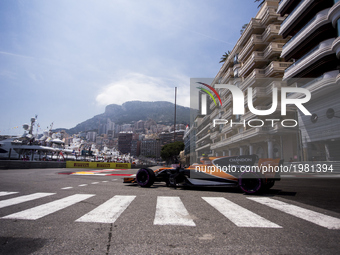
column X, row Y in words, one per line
column 136, row 86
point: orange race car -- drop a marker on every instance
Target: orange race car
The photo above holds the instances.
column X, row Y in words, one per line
column 231, row 171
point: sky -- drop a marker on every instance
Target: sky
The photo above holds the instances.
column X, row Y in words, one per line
column 66, row 60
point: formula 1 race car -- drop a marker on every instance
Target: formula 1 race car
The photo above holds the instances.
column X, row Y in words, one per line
column 235, row 171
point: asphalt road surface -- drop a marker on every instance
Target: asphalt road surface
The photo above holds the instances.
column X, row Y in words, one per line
column 43, row 212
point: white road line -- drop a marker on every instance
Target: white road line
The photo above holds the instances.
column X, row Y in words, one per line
column 305, row 214
column 240, row 216
column 67, row 188
column 114, row 179
column 171, row 211
column 82, row 185
column 5, row 193
column 94, row 182
column 109, row 211
column 104, row 181
column 22, row 199
column 46, row 209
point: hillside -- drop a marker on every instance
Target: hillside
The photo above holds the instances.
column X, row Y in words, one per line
column 129, row 112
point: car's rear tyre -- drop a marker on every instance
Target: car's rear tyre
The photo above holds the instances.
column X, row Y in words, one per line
column 268, row 185
column 145, row 177
column 250, row 182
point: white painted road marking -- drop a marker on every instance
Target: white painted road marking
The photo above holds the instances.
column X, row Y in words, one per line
column 94, row 182
column 305, row 214
column 240, row 216
column 171, row 211
column 46, row 209
column 82, row 185
column 109, row 211
column 67, row 188
column 22, row 199
column 5, row 193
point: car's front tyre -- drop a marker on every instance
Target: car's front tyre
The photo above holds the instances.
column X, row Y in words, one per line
column 145, row 177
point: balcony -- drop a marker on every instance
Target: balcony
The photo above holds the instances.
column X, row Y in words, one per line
column 315, row 23
column 259, row 93
column 334, row 13
column 291, row 19
column 239, row 137
column 273, row 50
column 314, row 55
column 253, row 27
column 249, row 115
column 203, row 146
column 228, row 74
column 255, row 60
column 214, row 113
column 226, row 102
column 269, row 16
column 227, row 129
column 336, row 47
column 271, row 33
column 282, row 5
column 276, row 69
column 325, row 82
column 227, row 114
column 214, row 135
column 254, row 43
column 251, row 78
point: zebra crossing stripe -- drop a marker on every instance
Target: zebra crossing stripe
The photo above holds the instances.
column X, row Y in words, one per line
column 305, row 214
column 46, row 209
column 22, row 199
column 240, row 216
column 171, row 211
column 5, row 193
column 109, row 211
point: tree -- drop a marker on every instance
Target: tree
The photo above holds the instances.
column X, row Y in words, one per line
column 225, row 56
column 261, row 2
column 170, row 151
column 243, row 28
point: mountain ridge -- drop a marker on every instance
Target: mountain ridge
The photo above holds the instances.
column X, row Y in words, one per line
column 161, row 112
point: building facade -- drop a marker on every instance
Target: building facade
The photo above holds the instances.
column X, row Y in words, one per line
column 151, row 148
column 313, row 29
column 255, row 63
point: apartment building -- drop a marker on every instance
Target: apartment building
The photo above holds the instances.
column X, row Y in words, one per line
column 313, row 29
column 151, row 148
column 255, row 63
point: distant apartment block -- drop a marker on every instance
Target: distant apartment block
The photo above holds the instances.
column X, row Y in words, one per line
column 170, row 137
column 150, row 148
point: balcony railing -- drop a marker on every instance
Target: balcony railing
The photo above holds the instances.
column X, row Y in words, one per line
column 276, row 67
column 256, row 73
column 229, row 74
column 311, row 26
column 318, row 47
column 253, row 59
column 252, row 42
column 292, row 12
column 272, row 50
column 271, row 30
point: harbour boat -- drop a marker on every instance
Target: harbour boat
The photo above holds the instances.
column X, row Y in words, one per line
column 27, row 147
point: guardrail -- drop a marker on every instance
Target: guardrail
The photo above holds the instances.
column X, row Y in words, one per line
column 21, row 164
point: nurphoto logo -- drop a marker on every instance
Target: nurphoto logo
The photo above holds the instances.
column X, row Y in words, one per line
column 238, row 104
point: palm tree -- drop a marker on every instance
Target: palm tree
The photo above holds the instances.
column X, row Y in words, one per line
column 262, row 2
column 225, row 56
column 243, row 28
